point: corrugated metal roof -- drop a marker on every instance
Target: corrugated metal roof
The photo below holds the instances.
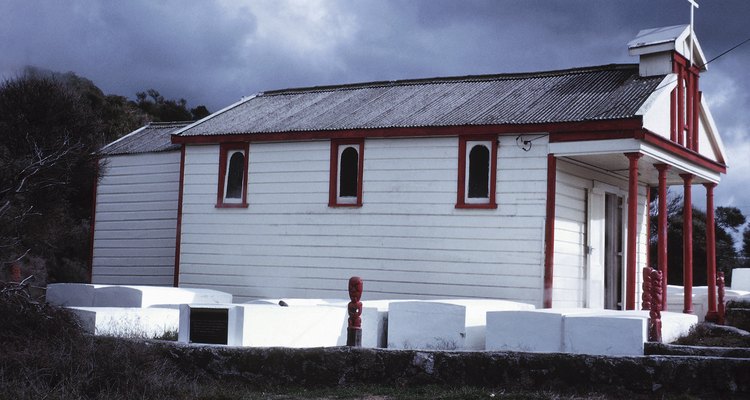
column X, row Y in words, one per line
column 583, row 94
column 154, row 137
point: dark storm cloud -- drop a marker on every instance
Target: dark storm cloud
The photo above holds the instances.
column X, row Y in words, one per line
column 215, row 52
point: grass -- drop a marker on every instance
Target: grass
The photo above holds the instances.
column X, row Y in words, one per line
column 708, row 334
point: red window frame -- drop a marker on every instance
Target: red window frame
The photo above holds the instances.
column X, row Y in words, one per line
column 224, row 149
column 333, row 189
column 461, row 192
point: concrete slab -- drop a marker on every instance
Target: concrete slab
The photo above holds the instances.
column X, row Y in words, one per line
column 583, row 331
column 604, row 335
column 71, row 294
column 127, row 322
column 426, row 325
column 146, row 296
column 476, row 317
column 538, row 331
column 741, row 279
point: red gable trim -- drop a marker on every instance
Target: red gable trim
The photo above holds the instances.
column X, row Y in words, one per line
column 683, row 152
column 646, row 136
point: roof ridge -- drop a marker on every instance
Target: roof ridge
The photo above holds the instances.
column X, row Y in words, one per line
column 462, row 78
column 167, row 123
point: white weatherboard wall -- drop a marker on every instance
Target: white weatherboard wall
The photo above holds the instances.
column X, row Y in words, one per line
column 407, row 241
column 570, row 283
column 136, row 219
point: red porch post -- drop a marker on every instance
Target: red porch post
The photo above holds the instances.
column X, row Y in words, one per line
column 549, row 230
column 662, row 230
column 632, row 227
column 687, row 243
column 712, row 314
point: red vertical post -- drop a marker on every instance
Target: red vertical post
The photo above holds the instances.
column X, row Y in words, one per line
column 549, row 230
column 689, row 110
column 687, row 242
column 711, row 314
column 354, row 329
column 673, row 116
column 696, row 113
column 681, row 107
column 696, row 105
column 632, row 229
column 662, row 229
column 178, row 228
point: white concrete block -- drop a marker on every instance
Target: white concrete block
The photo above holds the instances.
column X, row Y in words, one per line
column 741, row 279
column 127, row 322
column 614, row 335
column 675, row 325
column 71, row 294
column 476, row 317
column 426, row 325
column 146, row 296
column 269, row 325
column 539, row 331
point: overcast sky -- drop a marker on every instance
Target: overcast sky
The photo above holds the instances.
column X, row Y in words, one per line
column 215, row 52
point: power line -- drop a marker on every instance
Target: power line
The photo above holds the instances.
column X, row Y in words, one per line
column 713, row 59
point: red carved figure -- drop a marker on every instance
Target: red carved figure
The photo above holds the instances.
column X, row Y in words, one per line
column 354, row 331
column 722, row 306
column 654, row 326
column 646, row 295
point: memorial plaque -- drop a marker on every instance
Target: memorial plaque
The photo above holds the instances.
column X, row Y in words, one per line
column 209, row 325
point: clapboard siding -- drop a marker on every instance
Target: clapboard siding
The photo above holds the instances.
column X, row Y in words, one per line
column 573, row 184
column 407, row 240
column 136, row 219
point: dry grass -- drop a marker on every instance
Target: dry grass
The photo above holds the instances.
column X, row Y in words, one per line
column 708, row 334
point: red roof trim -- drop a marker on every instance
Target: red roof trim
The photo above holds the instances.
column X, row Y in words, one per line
column 646, row 136
column 683, row 152
column 585, row 126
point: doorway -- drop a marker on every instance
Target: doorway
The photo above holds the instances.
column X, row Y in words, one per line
column 605, row 254
column 613, row 251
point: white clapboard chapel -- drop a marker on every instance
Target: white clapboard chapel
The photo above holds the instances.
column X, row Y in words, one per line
column 529, row 187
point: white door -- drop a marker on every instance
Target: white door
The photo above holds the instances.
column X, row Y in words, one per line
column 604, row 240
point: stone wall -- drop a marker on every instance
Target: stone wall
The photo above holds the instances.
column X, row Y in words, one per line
column 702, row 376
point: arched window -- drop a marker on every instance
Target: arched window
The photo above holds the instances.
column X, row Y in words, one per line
column 232, row 190
column 479, row 171
column 235, row 175
column 477, row 164
column 348, row 171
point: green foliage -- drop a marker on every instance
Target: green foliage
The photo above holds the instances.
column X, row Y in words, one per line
column 52, row 124
column 159, row 109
